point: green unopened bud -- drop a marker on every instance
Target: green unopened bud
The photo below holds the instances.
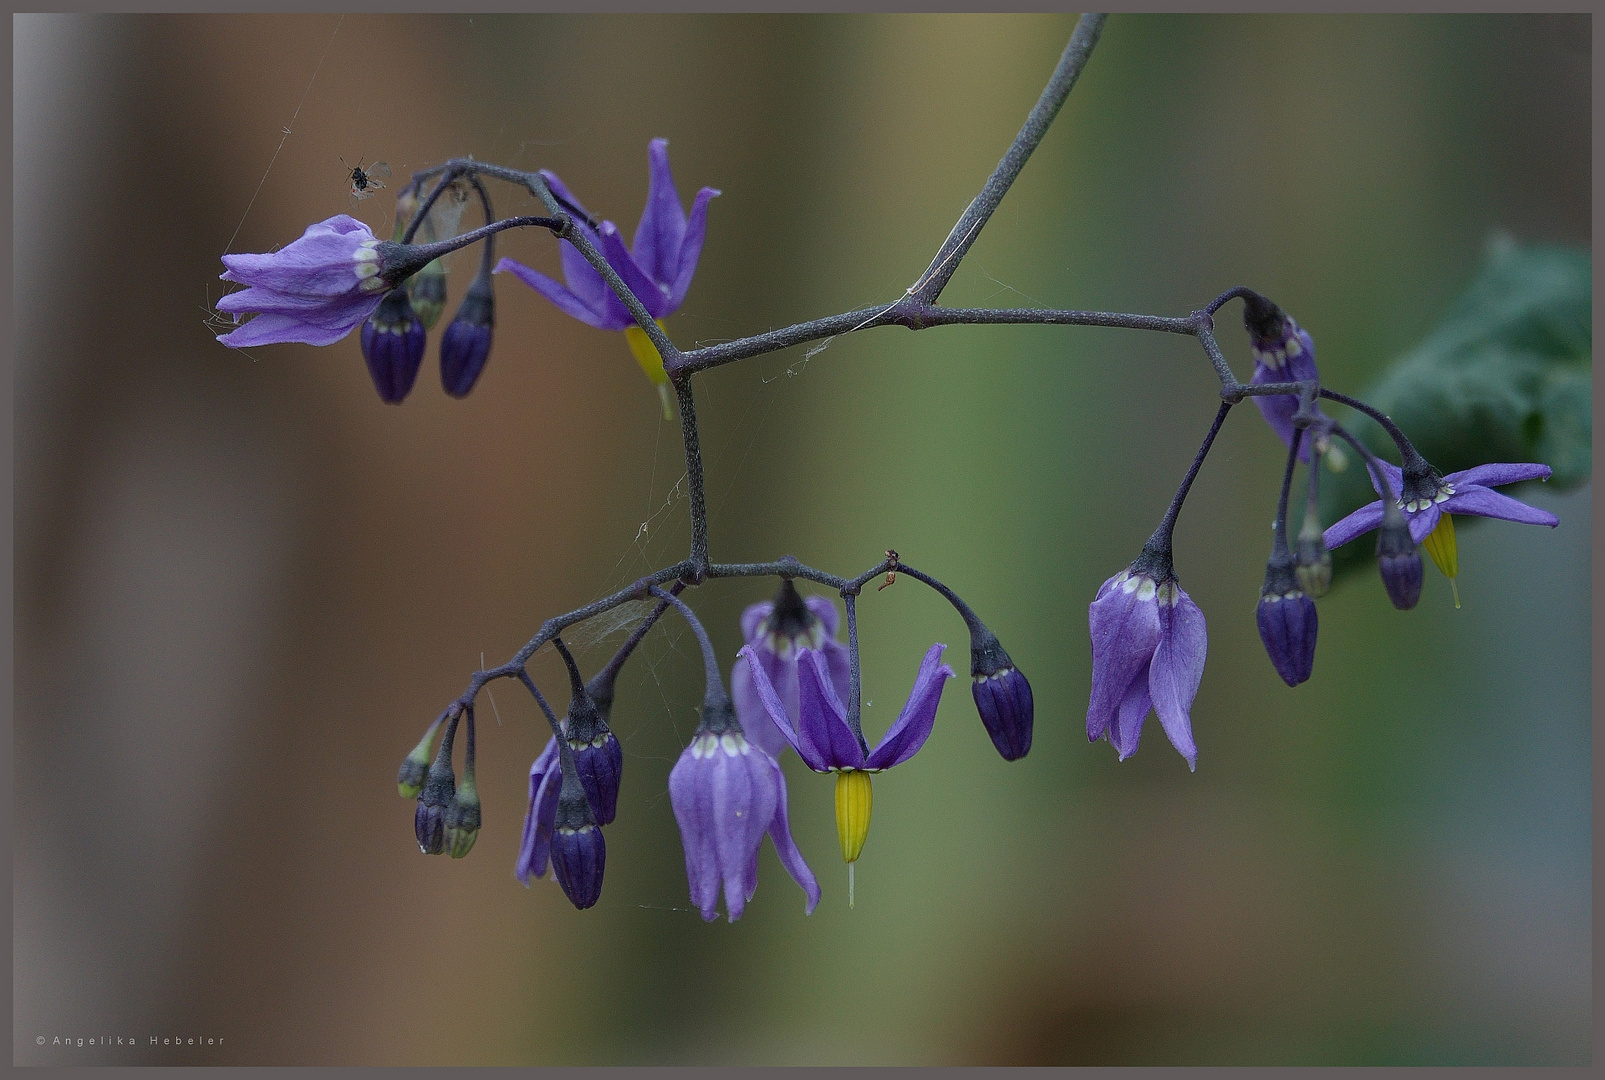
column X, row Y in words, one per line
column 427, row 291
column 462, row 819
column 1313, row 563
column 410, row 781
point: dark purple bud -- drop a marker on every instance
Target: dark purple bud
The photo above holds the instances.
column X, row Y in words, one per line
column 1287, row 619
column 393, row 342
column 1002, row 695
column 1398, row 559
column 438, row 795
column 578, row 851
column 598, row 758
column 466, row 344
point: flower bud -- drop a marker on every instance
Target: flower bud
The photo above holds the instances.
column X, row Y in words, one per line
column 1287, row 621
column 462, row 820
column 578, row 852
column 439, row 793
column 410, row 780
column 1312, row 562
column 465, row 346
column 1397, row 558
column 393, row 342
column 1002, row 695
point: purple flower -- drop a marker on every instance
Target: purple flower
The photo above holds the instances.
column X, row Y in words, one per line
column 545, row 782
column 826, row 742
column 1287, row 627
column 1148, row 645
column 658, row 270
column 727, row 794
column 822, row 737
column 775, row 631
column 1427, row 501
column 1283, row 352
column 315, row 290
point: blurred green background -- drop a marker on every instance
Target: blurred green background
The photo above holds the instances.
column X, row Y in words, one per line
column 244, row 585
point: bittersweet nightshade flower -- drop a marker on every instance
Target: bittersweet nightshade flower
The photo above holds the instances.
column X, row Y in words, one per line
column 1287, row 620
column 598, row 758
column 1148, row 646
column 315, row 290
column 727, row 795
column 826, row 742
column 465, row 346
column 776, row 630
column 658, row 270
column 1002, row 695
column 393, row 342
column 545, row 782
column 1283, row 352
column 579, row 854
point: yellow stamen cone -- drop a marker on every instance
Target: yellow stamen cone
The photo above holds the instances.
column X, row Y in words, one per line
column 646, row 354
column 852, row 811
column 1440, row 545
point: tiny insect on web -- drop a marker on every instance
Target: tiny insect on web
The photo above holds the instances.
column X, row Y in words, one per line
column 364, row 182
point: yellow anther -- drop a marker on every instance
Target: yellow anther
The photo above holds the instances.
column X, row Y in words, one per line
column 852, row 811
column 1440, row 545
column 646, row 354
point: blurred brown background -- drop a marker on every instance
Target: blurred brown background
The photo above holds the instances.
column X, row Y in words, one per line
column 244, row 585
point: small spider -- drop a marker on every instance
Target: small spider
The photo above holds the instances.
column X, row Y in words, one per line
column 891, row 573
column 364, row 182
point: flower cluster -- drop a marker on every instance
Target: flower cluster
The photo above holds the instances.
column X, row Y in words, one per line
column 1148, row 637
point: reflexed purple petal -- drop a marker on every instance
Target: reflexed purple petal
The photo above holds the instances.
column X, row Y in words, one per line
column 786, row 848
column 751, row 617
column 1177, row 669
column 821, row 717
column 1361, row 521
column 566, row 301
column 561, row 191
column 812, row 757
column 840, row 663
column 1124, row 632
column 824, row 611
column 1492, row 476
column 658, row 237
column 914, row 724
column 583, row 279
column 754, row 718
column 283, row 329
column 1423, row 522
column 654, row 299
column 691, row 249
column 545, row 782
column 1126, row 726
column 1484, row 503
column 692, row 799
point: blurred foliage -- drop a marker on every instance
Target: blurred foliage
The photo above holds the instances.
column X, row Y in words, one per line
column 1507, row 376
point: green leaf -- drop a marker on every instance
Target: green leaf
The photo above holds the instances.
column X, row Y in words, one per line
column 1507, row 376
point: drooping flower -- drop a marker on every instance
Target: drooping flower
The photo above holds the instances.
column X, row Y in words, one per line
column 315, row 290
column 827, row 742
column 1287, row 620
column 545, row 781
column 776, row 631
column 579, row 854
column 1148, row 646
column 1002, row 695
column 1430, row 501
column 1283, row 352
column 727, row 794
column 658, row 269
